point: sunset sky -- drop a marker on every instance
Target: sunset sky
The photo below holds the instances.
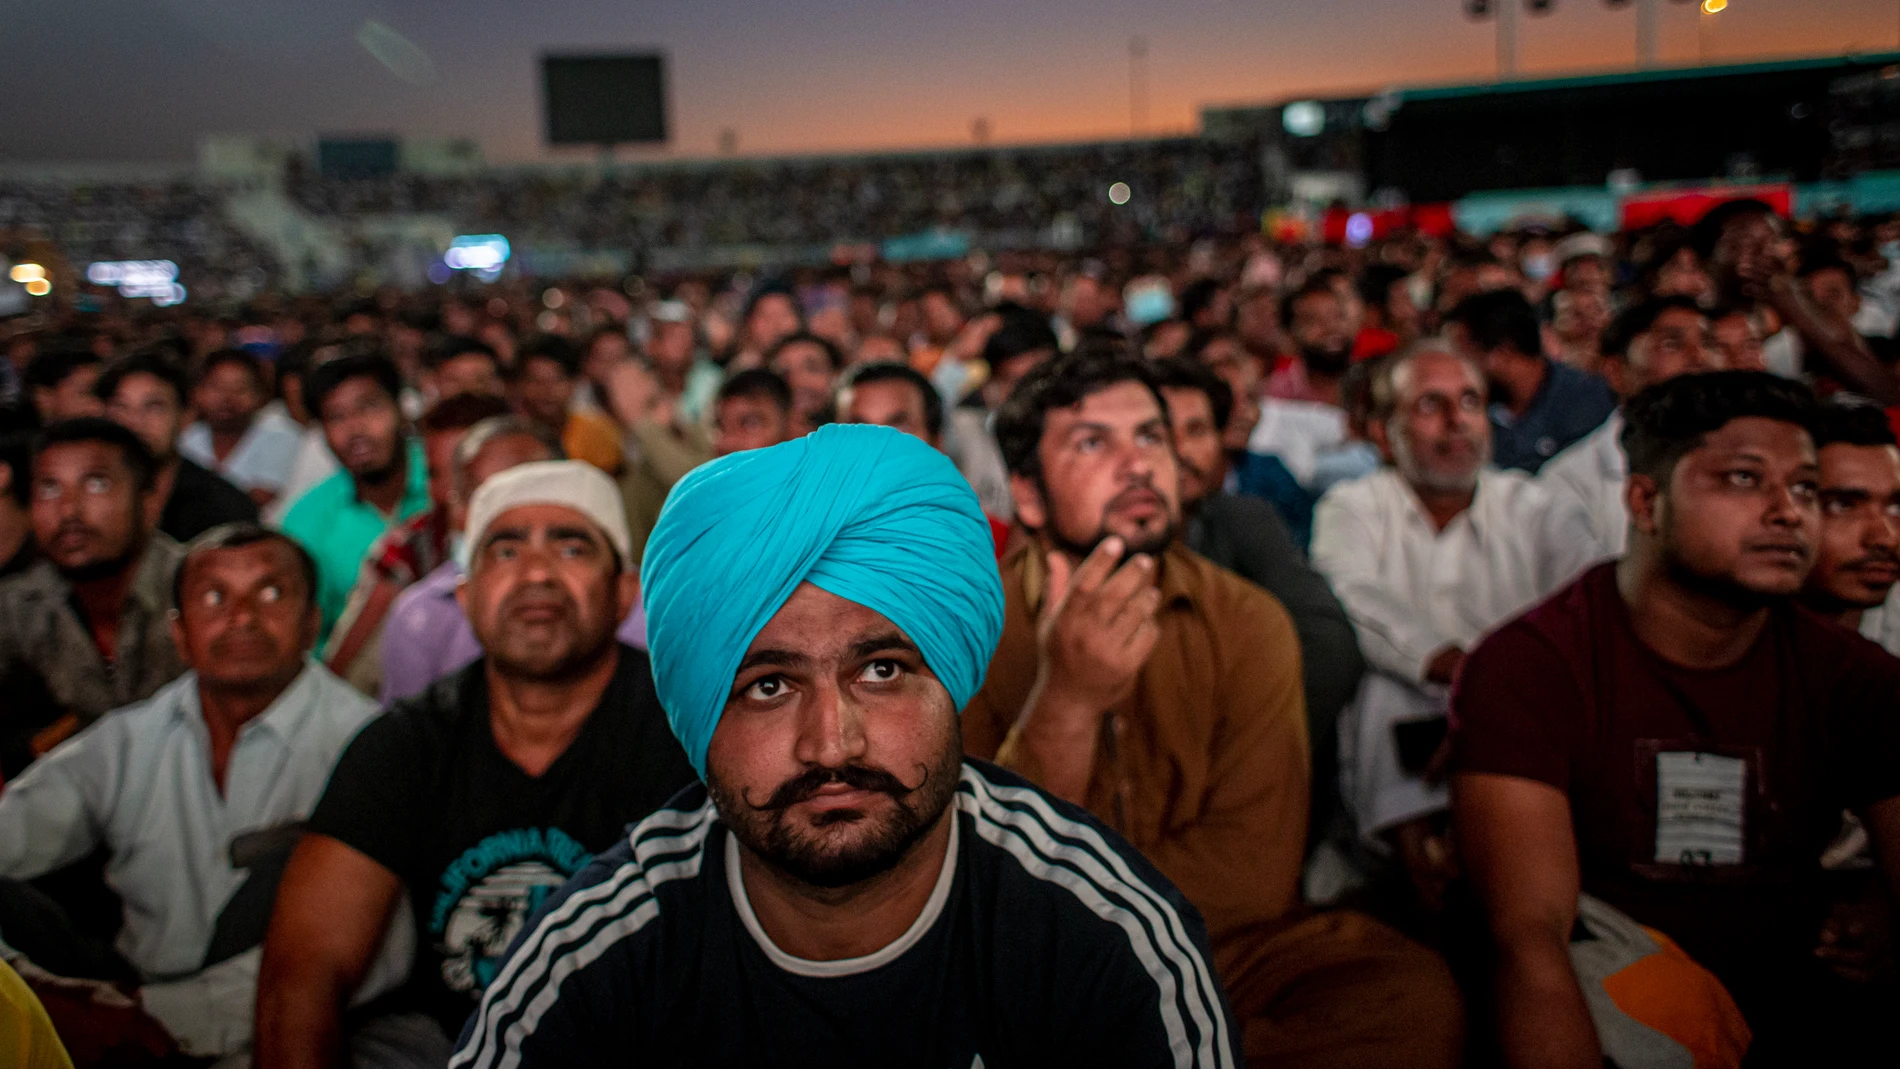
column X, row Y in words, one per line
column 143, row 79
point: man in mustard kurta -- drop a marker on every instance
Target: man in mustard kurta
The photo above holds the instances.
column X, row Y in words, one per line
column 1163, row 693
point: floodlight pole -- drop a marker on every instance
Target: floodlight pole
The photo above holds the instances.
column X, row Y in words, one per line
column 1648, row 27
column 1137, row 85
column 1507, row 39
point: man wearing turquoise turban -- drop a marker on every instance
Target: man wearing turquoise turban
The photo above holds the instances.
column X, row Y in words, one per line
column 845, row 888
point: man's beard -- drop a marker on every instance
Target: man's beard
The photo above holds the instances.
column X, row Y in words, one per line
column 1323, row 361
column 1429, row 478
column 1153, row 545
column 803, row 856
column 105, row 567
column 1715, row 586
column 381, row 474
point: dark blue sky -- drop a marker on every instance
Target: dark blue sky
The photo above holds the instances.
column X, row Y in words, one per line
column 143, row 79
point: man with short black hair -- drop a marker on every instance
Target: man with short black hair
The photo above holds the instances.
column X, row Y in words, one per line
column 1741, row 244
column 59, row 381
column 83, row 630
column 1646, row 343
column 752, row 410
column 542, row 386
column 1390, row 320
column 809, row 365
column 1673, row 736
column 1247, row 537
column 1021, row 339
column 1318, row 324
column 460, row 365
column 195, row 794
column 847, row 889
column 1538, row 406
column 892, row 395
column 239, row 434
column 1163, row 693
column 408, row 551
column 772, row 314
column 384, row 479
column 1857, row 557
column 146, row 392
column 481, row 796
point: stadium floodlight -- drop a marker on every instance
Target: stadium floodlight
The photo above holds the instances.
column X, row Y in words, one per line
column 484, row 253
column 1304, row 118
column 1119, row 193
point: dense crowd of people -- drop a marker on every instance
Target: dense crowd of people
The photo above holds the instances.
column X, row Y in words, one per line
column 1176, row 186
column 184, row 221
column 1200, row 651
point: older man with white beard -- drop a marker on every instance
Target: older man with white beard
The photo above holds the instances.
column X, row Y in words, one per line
column 1427, row 555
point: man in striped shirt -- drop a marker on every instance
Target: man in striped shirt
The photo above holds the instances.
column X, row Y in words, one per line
column 846, row 889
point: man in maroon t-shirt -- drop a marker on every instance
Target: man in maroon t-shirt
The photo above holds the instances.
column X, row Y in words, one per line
column 1673, row 735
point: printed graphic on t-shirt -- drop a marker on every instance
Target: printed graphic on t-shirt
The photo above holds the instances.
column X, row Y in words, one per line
column 489, row 892
column 1700, row 802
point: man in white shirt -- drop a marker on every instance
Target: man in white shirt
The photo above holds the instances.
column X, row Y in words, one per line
column 1648, row 343
column 197, row 795
column 237, row 434
column 1428, row 555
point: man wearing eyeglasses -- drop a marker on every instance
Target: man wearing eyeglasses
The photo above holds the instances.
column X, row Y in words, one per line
column 1427, row 555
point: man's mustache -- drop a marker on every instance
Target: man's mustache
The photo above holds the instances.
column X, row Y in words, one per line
column 807, row 784
column 1883, row 557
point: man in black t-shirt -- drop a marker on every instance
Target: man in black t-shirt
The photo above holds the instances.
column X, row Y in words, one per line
column 1674, row 736
column 846, row 890
column 484, row 794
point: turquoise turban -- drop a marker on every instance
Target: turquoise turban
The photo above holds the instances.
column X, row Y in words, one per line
column 872, row 515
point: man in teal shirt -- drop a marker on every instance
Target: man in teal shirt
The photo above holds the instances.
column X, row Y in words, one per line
column 383, row 479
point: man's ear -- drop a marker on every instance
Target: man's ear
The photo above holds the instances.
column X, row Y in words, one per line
column 1615, row 371
column 312, row 626
column 175, row 622
column 1643, row 497
column 626, row 593
column 152, row 507
column 1376, row 430
column 1031, row 510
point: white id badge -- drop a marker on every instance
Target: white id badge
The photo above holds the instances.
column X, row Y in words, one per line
column 1700, row 802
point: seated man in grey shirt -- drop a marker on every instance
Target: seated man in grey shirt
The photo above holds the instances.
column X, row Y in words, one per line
column 197, row 796
column 83, row 630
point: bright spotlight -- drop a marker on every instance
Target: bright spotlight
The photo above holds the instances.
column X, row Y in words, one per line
column 1119, row 193
column 1714, row 7
column 24, row 273
column 1304, row 118
column 39, row 287
column 1358, row 229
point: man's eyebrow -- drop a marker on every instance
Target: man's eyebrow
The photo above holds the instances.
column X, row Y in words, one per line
column 769, row 656
column 500, row 534
column 1852, row 494
column 883, row 643
column 566, row 532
